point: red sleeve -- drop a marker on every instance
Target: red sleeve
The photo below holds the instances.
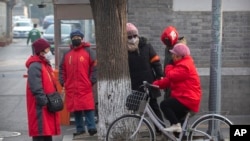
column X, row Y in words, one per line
column 163, row 83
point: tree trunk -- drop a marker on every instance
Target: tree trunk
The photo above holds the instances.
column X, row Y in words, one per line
column 113, row 74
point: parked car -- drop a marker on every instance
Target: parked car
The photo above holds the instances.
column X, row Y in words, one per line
column 76, row 23
column 49, row 35
column 48, row 20
column 21, row 28
column 17, row 18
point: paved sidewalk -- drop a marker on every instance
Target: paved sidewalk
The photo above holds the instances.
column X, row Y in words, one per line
column 239, row 119
column 85, row 138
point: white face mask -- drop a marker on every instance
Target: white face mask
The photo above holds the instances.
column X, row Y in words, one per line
column 48, row 56
column 133, row 40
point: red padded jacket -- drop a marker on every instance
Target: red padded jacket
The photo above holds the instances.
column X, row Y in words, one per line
column 41, row 81
column 77, row 74
column 183, row 80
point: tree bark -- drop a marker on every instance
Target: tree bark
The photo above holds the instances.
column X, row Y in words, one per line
column 113, row 74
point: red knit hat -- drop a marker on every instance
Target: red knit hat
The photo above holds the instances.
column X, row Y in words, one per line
column 131, row 29
column 169, row 34
column 180, row 49
column 40, row 45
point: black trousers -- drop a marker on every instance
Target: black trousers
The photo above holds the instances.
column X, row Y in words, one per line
column 42, row 138
column 173, row 110
column 155, row 107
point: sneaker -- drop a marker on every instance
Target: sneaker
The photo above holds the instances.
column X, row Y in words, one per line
column 78, row 135
column 174, row 128
column 92, row 132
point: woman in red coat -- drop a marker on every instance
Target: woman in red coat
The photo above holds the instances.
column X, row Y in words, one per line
column 183, row 80
column 42, row 124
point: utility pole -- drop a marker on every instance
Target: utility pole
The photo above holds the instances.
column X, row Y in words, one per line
column 30, row 5
column 215, row 67
column 215, row 59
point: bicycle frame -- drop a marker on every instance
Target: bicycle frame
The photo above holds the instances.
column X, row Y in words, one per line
column 155, row 120
column 153, row 117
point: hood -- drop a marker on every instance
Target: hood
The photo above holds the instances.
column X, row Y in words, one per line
column 83, row 45
column 32, row 59
column 142, row 41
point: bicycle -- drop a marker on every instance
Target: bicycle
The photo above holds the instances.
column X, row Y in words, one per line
column 209, row 127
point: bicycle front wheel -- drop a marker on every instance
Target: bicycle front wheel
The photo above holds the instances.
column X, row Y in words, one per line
column 123, row 129
column 210, row 127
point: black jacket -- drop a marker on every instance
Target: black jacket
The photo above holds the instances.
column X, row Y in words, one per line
column 144, row 65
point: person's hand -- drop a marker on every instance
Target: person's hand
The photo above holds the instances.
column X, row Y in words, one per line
column 156, row 83
column 41, row 99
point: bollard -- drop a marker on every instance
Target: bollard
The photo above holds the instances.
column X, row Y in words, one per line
column 64, row 114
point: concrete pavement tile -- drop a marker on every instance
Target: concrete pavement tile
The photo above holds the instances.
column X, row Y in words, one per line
column 85, row 138
column 67, row 138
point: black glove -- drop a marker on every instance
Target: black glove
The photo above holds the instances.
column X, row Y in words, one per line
column 41, row 100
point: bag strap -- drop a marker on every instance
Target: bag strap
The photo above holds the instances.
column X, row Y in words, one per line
column 51, row 77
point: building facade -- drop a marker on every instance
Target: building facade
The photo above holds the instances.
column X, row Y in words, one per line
column 6, row 20
column 3, row 22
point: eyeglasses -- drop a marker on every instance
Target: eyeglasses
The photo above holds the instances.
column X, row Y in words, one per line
column 133, row 36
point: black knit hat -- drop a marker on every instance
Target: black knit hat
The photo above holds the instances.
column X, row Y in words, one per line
column 76, row 33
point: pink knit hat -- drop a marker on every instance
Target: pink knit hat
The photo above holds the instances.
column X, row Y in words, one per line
column 131, row 29
column 180, row 50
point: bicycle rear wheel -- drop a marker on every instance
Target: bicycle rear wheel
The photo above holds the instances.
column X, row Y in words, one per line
column 210, row 127
column 124, row 127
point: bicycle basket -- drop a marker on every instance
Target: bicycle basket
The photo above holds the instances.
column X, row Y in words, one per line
column 133, row 100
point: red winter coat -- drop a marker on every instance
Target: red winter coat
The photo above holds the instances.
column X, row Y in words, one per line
column 77, row 73
column 40, row 83
column 183, row 80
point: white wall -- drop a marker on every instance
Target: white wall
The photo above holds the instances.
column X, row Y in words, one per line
column 205, row 5
column 2, row 18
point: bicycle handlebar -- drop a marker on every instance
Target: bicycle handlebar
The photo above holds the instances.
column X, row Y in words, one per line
column 146, row 84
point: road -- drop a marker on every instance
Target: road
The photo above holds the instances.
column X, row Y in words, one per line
column 13, row 118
